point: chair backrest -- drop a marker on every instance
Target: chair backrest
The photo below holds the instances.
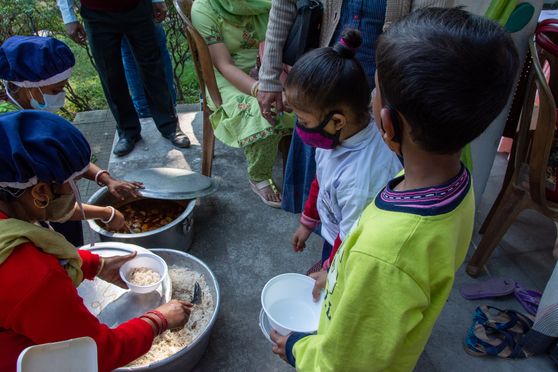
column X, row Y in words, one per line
column 77, row 354
column 200, row 54
column 543, row 136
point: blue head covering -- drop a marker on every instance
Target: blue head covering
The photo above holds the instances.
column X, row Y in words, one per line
column 40, row 146
column 35, row 61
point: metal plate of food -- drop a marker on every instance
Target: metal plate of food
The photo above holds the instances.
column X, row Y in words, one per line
column 113, row 305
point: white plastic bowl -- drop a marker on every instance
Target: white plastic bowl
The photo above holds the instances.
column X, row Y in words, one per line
column 150, row 261
column 287, row 301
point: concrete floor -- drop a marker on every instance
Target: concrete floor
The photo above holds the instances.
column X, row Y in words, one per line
column 246, row 243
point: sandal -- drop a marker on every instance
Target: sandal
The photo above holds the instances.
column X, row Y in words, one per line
column 529, row 299
column 495, row 287
column 257, row 187
column 502, row 320
column 484, row 340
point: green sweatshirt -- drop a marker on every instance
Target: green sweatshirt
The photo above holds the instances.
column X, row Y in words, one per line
column 389, row 280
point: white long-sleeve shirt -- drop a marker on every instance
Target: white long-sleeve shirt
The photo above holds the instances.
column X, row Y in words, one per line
column 349, row 178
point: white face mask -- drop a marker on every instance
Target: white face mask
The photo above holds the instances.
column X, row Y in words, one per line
column 52, row 102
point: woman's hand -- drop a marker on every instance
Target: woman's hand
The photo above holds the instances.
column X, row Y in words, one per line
column 299, row 238
column 269, row 100
column 118, row 222
column 280, row 342
column 110, row 269
column 320, row 277
column 120, row 187
column 176, row 312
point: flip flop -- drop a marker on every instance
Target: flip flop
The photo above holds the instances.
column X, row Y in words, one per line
column 257, row 187
column 504, row 320
column 483, row 340
column 495, row 287
column 529, row 299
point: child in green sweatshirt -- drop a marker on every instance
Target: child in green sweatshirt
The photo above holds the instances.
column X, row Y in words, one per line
column 443, row 75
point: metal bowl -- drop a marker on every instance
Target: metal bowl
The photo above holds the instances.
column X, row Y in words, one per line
column 178, row 234
column 187, row 358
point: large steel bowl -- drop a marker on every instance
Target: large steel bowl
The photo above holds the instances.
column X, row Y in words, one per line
column 178, row 234
column 187, row 358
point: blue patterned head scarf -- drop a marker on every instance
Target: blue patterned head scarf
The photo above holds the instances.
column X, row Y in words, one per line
column 35, row 61
column 39, row 146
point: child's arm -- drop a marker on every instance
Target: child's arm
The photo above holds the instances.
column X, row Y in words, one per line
column 379, row 308
column 309, row 219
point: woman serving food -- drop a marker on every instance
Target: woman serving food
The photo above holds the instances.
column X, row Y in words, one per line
column 41, row 156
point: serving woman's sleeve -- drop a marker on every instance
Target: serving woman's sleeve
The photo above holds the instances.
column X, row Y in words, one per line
column 53, row 311
column 281, row 18
column 90, row 263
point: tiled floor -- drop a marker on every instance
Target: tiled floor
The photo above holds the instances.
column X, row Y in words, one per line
column 246, row 243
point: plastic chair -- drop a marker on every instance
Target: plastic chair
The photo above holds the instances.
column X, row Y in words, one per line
column 206, row 79
column 77, row 354
column 525, row 182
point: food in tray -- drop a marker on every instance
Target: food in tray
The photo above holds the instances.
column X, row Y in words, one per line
column 143, row 276
column 172, row 341
column 148, row 214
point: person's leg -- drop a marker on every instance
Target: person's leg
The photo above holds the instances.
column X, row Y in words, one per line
column 261, row 156
column 134, row 81
column 143, row 41
column 299, row 174
column 104, row 35
column 167, row 60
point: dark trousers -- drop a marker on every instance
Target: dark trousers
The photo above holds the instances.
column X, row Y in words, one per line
column 326, row 251
column 105, row 31
column 71, row 230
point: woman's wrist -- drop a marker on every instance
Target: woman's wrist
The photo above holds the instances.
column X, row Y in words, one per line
column 101, row 266
column 111, row 213
column 152, row 323
column 255, row 88
column 102, row 177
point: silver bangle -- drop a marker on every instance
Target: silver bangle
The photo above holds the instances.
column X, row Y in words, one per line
column 99, row 175
column 112, row 214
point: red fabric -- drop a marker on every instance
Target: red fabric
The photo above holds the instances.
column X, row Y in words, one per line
column 39, row 304
column 110, row 5
column 336, row 246
column 90, row 265
column 311, row 205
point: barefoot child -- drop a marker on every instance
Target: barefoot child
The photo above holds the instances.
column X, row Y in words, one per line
column 442, row 76
column 329, row 92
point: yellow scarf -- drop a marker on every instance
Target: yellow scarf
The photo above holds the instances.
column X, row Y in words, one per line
column 15, row 232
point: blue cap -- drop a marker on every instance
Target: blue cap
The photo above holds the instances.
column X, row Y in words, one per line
column 35, row 61
column 40, row 146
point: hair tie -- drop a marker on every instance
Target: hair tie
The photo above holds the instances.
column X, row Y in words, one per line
column 344, row 43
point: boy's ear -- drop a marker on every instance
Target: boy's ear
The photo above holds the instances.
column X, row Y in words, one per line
column 390, row 131
column 339, row 120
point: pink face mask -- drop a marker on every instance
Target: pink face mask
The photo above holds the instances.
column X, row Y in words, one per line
column 317, row 137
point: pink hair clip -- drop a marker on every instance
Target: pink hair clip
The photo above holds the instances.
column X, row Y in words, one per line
column 342, row 41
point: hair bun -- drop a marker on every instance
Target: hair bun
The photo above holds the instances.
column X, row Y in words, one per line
column 348, row 44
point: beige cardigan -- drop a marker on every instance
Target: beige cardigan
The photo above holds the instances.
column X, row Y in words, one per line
column 283, row 14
